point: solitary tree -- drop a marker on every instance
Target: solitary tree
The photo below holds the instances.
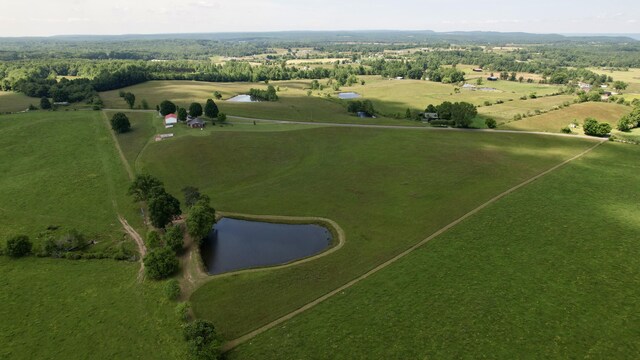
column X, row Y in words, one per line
column 211, row 109
column 182, row 114
column 195, row 109
column 145, row 104
column 222, row 117
column 120, row 123
column 45, row 104
column 462, row 114
column 160, row 263
column 201, row 218
column 167, row 107
column 491, row 123
column 18, row 246
column 130, row 99
column 217, row 95
column 204, row 342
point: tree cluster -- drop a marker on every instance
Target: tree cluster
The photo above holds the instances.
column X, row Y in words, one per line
column 365, row 106
column 594, row 128
column 264, row 95
column 162, row 206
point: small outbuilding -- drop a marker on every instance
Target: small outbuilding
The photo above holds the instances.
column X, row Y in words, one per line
column 477, row 70
column 492, row 78
column 170, row 119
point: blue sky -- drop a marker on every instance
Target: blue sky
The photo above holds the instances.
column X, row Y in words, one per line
column 54, row 17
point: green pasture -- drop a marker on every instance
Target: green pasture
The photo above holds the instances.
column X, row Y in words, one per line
column 13, row 102
column 555, row 120
column 84, row 309
column 551, row 271
column 504, row 113
column 61, row 169
column 294, row 104
column 395, row 96
column 388, row 189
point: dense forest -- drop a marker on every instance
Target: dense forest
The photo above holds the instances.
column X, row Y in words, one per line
column 34, row 66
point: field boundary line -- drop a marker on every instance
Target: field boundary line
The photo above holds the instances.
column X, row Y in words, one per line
column 117, row 144
column 238, row 341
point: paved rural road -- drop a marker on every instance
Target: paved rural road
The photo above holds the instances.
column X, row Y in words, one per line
column 371, row 126
column 234, row 343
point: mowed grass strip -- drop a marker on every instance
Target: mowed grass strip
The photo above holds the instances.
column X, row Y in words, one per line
column 554, row 121
column 551, row 271
column 61, row 169
column 64, row 309
column 388, row 189
column 143, row 128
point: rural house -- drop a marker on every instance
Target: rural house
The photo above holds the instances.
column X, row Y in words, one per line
column 429, row 116
column 492, row 78
column 195, row 123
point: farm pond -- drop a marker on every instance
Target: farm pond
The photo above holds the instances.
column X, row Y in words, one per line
column 242, row 98
column 235, row 244
column 348, row 95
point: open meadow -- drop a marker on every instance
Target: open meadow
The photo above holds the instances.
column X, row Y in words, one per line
column 388, row 189
column 294, row 103
column 84, row 309
column 61, row 169
column 550, row 271
column 554, row 121
column 13, row 102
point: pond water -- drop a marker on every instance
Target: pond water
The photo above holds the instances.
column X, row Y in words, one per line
column 242, row 98
column 240, row 244
column 348, row 95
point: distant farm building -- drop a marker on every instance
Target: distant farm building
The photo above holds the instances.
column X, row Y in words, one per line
column 171, row 119
column 477, row 70
column 429, row 116
column 492, row 78
column 584, row 86
column 469, row 87
column 195, row 123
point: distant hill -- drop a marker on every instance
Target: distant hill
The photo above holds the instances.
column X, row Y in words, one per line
column 383, row 36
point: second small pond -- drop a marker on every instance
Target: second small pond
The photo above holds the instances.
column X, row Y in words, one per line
column 235, row 244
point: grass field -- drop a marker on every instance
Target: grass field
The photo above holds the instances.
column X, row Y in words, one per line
column 504, row 113
column 555, row 120
column 13, row 102
column 294, row 104
column 63, row 309
column 395, row 96
column 387, row 189
column 62, row 169
column 632, row 77
column 549, row 272
column 390, row 97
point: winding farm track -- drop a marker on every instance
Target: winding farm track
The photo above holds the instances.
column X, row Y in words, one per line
column 234, row 343
column 142, row 249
